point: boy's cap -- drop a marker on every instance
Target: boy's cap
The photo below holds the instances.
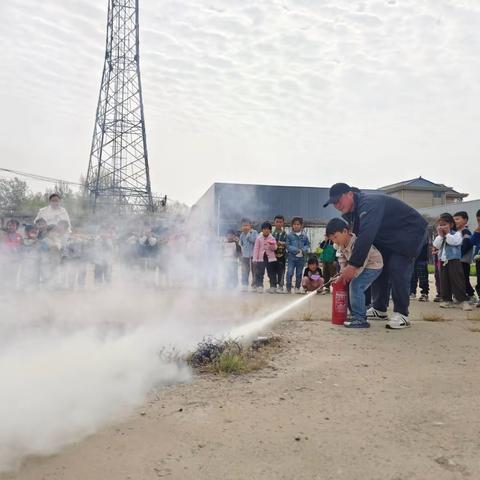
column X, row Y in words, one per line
column 336, row 191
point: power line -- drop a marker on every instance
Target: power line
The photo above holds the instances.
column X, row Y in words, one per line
column 41, row 178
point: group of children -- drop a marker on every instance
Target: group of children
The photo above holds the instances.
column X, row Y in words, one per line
column 278, row 253
column 455, row 248
column 275, row 251
column 55, row 255
column 41, row 255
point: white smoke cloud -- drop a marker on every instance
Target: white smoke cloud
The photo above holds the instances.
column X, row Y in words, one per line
column 72, row 362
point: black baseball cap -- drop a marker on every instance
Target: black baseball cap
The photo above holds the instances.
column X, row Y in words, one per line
column 336, row 191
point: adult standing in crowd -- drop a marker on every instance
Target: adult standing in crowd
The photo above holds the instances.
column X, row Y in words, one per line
column 54, row 212
column 394, row 228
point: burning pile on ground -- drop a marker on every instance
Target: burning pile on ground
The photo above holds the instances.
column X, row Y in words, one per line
column 228, row 356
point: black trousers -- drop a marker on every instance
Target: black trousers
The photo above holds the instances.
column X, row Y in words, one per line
column 259, row 271
column 279, row 272
column 452, row 280
column 466, row 273
column 246, row 267
column 396, row 275
column 420, row 277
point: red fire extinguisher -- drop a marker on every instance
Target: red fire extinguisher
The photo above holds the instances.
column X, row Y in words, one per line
column 339, row 302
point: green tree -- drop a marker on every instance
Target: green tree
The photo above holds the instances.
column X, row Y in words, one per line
column 14, row 195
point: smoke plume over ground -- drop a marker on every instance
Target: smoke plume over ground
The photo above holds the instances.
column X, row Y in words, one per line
column 70, row 362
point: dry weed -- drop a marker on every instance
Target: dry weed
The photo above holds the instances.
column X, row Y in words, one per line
column 433, row 317
column 232, row 358
column 475, row 316
column 307, row 316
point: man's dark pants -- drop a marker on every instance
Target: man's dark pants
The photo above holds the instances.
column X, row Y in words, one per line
column 396, row 275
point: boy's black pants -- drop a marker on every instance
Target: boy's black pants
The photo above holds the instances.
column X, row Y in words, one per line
column 279, row 272
column 466, row 273
column 452, row 281
column 420, row 276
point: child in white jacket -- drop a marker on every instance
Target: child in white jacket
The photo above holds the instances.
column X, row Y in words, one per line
column 449, row 245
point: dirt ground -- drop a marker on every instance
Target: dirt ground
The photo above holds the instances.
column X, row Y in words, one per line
column 332, row 404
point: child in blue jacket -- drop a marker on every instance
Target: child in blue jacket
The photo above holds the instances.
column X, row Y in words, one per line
column 298, row 245
column 475, row 239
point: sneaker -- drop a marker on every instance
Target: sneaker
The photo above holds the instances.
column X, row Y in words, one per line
column 437, row 299
column 357, row 323
column 271, row 290
column 259, row 289
column 398, row 321
column 423, row 298
column 374, row 314
column 466, row 307
column 472, row 300
column 299, row 291
column 449, row 304
column 279, row 290
column 413, row 296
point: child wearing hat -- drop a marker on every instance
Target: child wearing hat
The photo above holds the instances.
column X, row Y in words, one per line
column 338, row 231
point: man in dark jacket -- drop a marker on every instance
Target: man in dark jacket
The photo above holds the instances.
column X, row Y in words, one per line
column 398, row 231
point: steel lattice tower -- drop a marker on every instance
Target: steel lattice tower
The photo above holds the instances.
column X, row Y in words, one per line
column 118, row 174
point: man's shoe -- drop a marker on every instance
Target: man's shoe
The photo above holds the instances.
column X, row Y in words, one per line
column 447, row 305
column 423, row 298
column 374, row 314
column 357, row 323
column 398, row 321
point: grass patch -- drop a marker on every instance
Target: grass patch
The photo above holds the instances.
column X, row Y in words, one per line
column 475, row 316
column 229, row 357
column 307, row 316
column 433, row 317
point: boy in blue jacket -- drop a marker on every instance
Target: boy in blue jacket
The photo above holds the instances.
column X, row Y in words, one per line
column 475, row 239
column 298, row 245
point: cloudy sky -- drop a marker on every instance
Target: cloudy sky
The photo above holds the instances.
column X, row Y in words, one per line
column 293, row 92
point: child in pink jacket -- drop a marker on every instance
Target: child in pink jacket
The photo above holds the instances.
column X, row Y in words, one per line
column 264, row 257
